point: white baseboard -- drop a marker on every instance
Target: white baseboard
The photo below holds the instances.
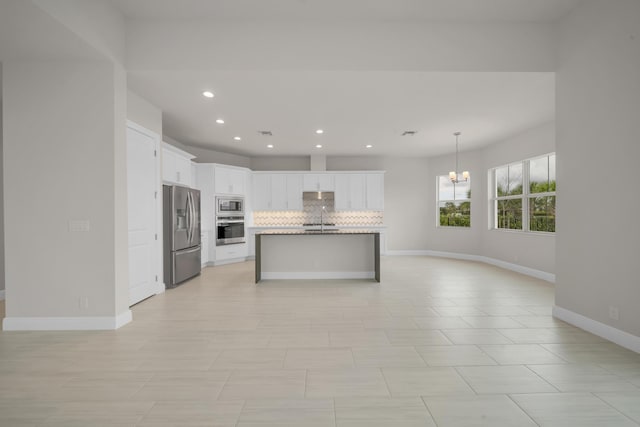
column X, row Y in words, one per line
column 66, row 323
column 318, row 275
column 607, row 332
column 1, row 295
column 549, row 277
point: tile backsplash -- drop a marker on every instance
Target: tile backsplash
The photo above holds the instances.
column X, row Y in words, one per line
column 311, row 214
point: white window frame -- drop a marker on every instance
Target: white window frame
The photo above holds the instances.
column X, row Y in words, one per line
column 438, row 200
column 525, row 197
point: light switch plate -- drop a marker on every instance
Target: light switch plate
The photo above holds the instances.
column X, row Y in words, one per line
column 79, row 225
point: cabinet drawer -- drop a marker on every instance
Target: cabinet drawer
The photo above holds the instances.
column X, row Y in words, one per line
column 231, row 251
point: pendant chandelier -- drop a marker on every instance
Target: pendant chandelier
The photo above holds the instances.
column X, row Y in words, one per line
column 454, row 176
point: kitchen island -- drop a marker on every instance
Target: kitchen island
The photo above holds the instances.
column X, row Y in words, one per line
column 318, row 254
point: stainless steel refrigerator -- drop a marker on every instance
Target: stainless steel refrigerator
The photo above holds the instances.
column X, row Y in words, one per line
column 181, row 217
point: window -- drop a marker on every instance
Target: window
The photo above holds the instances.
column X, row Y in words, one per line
column 524, row 195
column 454, row 202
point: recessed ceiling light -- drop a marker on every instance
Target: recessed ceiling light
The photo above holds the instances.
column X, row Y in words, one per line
column 319, row 131
column 368, row 146
column 220, row 121
column 237, row 138
column 270, row 146
column 318, row 146
column 208, row 94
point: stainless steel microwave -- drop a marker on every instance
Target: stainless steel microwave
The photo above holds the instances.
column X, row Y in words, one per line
column 229, row 206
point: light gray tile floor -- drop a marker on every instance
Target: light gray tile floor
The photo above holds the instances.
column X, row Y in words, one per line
column 437, row 343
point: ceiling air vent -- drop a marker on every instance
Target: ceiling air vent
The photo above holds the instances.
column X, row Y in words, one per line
column 265, row 132
column 409, row 132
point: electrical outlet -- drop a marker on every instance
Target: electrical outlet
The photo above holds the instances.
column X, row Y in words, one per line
column 83, row 303
column 614, row 313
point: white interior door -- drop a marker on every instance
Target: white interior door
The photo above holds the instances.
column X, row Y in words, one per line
column 142, row 181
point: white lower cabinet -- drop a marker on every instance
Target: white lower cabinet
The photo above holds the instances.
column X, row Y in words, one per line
column 230, row 252
column 206, row 254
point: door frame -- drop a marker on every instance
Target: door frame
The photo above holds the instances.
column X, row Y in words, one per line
column 157, row 258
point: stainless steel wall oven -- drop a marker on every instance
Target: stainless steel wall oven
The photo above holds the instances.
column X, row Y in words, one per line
column 229, row 221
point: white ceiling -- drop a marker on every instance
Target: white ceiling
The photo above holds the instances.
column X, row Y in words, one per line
column 354, row 107
column 332, row 10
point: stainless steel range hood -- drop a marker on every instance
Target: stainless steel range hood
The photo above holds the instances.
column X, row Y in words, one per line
column 327, row 196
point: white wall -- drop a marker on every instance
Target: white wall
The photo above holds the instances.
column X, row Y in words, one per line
column 457, row 239
column 276, row 163
column 98, row 23
column 65, row 156
column 204, row 155
column 322, row 45
column 405, row 202
column 143, row 113
column 533, row 250
column 598, row 111
column 1, row 192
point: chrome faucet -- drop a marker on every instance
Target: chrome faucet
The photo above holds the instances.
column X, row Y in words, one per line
column 321, row 219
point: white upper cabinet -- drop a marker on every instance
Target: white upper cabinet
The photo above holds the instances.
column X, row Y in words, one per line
column 318, row 182
column 261, row 192
column 294, row 192
column 229, row 180
column 350, row 193
column 277, row 191
column 375, row 191
column 176, row 166
column 359, row 191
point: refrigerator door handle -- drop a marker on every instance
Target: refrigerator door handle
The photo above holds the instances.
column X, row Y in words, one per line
column 188, row 215
column 192, row 223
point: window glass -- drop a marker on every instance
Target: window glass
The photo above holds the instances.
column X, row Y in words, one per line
column 446, row 190
column 509, row 214
column 515, row 179
column 542, row 174
column 509, row 180
column 502, row 181
column 455, row 214
column 454, row 203
column 542, row 213
column 462, row 190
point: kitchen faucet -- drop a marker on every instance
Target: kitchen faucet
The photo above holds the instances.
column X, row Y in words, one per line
column 321, row 220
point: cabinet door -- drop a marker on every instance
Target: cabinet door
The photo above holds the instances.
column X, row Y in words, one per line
column 169, row 166
column 318, row 182
column 310, row 182
column 204, row 245
column 236, row 181
column 294, row 192
column 375, row 192
column 341, row 196
column 357, row 192
column 326, row 182
column 279, row 192
column 183, row 171
column 261, row 192
column 221, row 180
column 204, row 181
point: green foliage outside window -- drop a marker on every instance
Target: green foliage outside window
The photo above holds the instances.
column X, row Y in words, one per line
column 454, row 203
column 455, row 214
column 539, row 198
